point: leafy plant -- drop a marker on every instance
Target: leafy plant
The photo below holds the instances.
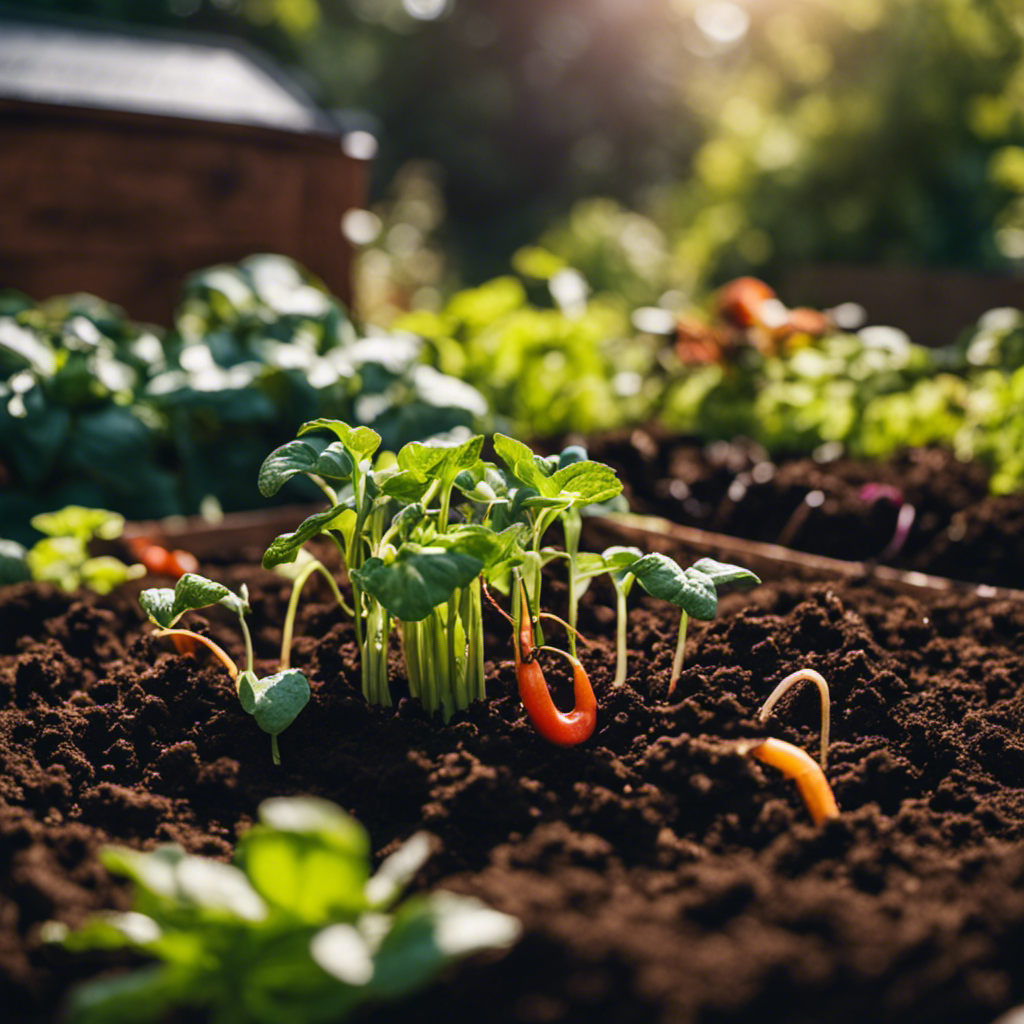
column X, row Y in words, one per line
column 417, row 557
column 275, row 700
column 62, row 555
column 694, row 591
column 297, row 930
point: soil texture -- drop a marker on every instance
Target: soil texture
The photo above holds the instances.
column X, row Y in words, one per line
column 660, row 876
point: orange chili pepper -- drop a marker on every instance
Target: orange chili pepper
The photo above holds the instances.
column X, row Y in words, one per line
column 158, row 559
column 799, row 766
column 555, row 726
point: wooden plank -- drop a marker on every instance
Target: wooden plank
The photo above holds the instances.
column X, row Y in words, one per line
column 770, row 561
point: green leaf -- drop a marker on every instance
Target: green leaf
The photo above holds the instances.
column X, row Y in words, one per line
column 275, row 700
column 141, row 997
column 690, row 589
column 521, row 463
column 405, row 486
column 158, row 604
column 104, row 572
column 418, row 580
column 13, row 566
column 590, row 564
column 190, row 593
column 333, row 463
column 343, row 952
column 429, row 933
column 360, row 441
column 307, row 858
column 432, row 461
column 484, row 544
column 588, row 481
column 79, row 522
column 285, row 547
column 725, row 572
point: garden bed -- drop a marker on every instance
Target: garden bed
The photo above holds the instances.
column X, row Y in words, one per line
column 960, row 530
column 659, row 875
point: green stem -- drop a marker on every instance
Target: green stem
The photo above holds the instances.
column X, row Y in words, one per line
column 248, row 643
column 677, row 662
column 293, row 605
column 275, row 751
column 573, row 525
column 442, row 516
column 622, row 621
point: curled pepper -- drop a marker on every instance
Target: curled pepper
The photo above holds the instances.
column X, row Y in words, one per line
column 555, row 726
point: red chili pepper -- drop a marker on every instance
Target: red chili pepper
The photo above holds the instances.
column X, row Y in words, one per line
column 160, row 560
column 555, row 726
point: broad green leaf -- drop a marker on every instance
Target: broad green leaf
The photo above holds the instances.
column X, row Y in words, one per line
column 360, row 441
column 13, row 565
column 333, row 463
column 429, row 933
column 158, row 604
column 725, row 572
column 193, row 591
column 483, row 543
column 418, row 580
column 107, row 930
column 219, row 890
column 588, row 481
column 139, row 997
column 308, row 815
column 342, row 951
column 153, row 873
column 429, row 461
column 405, row 486
column 285, row 547
column 275, row 700
column 689, row 589
column 521, row 463
column 308, row 858
column 591, row 563
column 79, row 522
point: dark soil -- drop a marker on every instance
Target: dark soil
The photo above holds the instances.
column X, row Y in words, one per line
column 660, row 876
column 960, row 530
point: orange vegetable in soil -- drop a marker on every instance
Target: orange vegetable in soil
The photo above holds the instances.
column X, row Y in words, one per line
column 799, row 766
column 740, row 301
column 555, row 726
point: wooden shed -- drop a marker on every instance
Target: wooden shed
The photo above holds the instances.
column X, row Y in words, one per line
column 128, row 160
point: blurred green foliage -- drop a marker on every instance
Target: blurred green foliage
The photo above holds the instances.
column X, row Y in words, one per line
column 100, row 412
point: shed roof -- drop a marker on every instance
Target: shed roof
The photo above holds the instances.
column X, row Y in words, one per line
column 209, row 79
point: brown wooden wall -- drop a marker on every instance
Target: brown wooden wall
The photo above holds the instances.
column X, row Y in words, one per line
column 126, row 205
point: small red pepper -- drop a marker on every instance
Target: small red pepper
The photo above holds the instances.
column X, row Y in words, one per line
column 160, row 560
column 555, row 726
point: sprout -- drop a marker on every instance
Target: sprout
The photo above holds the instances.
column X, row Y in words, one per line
column 791, row 680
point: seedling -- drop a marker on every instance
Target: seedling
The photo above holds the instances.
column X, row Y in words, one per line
column 296, row 930
column 799, row 766
column 273, row 701
column 62, row 555
column 791, row 680
column 694, row 591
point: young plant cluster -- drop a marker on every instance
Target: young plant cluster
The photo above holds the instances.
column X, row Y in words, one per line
column 421, row 535
column 296, row 931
